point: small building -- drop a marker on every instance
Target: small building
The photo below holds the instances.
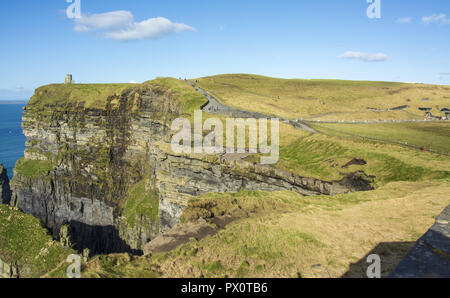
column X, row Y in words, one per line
column 446, row 113
column 68, row 79
column 427, row 112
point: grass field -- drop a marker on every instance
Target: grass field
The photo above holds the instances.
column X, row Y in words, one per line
column 325, row 99
column 421, row 134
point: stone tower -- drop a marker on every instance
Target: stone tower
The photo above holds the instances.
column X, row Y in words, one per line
column 68, row 79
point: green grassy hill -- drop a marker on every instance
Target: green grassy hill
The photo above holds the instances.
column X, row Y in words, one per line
column 325, row 99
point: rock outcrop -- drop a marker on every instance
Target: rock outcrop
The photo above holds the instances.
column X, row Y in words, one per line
column 82, row 164
column 8, row 270
column 5, row 191
column 179, row 234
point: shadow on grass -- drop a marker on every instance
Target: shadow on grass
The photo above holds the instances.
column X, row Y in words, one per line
column 391, row 253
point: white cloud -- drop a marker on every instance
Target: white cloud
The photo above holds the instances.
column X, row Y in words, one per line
column 367, row 57
column 133, row 82
column 120, row 25
column 104, row 21
column 151, row 28
column 444, row 74
column 436, row 18
column 405, row 20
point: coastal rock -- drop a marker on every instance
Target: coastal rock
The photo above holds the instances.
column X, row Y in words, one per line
column 5, row 191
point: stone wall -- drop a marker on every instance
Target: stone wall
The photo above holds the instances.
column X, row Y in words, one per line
column 430, row 256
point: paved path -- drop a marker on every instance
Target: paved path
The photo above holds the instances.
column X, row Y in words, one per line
column 214, row 106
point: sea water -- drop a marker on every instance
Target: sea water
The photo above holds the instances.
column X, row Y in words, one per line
column 12, row 140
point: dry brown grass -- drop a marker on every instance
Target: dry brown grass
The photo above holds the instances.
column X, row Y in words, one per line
column 387, row 225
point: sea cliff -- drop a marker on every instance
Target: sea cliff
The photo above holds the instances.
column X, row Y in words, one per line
column 97, row 159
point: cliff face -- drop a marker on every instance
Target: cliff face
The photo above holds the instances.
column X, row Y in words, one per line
column 80, row 163
column 101, row 167
column 5, row 191
column 180, row 178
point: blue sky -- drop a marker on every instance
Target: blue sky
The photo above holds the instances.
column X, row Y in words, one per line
column 124, row 40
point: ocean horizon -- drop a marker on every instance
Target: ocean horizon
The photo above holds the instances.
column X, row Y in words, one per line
column 12, row 140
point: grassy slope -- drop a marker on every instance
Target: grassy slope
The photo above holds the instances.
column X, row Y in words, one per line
column 288, row 235
column 31, row 168
column 25, row 241
column 323, row 157
column 184, row 93
column 140, row 202
column 324, row 99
